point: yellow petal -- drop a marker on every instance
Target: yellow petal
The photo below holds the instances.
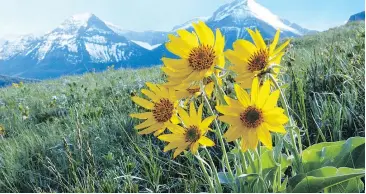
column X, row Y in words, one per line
column 145, row 115
column 209, row 89
column 152, row 128
column 207, row 122
column 194, row 147
column 175, row 119
column 153, row 87
column 145, row 124
column 232, row 102
column 176, row 129
column 250, row 137
column 265, row 137
column 228, row 110
column 150, row 94
column 193, row 113
column 171, row 137
column 171, row 146
column 206, row 141
column 199, row 113
column 275, row 128
column 185, row 117
column 232, row 120
column 160, row 131
column 257, row 39
column 274, row 43
column 205, row 34
column 274, row 117
column 142, row 102
column 244, row 47
column 280, row 48
column 190, row 38
column 242, row 95
column 180, row 149
column 235, row 59
column 220, row 42
column 176, row 74
column 271, row 101
column 254, row 91
column 233, row 133
column 277, row 60
column 263, row 93
column 175, row 63
column 178, row 48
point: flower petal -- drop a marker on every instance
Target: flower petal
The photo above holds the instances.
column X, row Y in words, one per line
column 206, row 141
column 142, row 102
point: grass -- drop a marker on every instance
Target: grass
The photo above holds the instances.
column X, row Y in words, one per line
column 74, row 134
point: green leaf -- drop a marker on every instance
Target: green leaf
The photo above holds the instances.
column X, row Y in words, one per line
column 352, row 186
column 317, row 180
column 348, row 153
column 224, row 178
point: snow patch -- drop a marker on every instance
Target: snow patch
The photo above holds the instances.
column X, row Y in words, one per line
column 146, row 45
column 189, row 23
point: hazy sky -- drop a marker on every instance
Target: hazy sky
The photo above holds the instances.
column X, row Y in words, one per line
column 40, row 16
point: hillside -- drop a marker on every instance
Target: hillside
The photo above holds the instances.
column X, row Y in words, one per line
column 6, row 80
column 73, row 134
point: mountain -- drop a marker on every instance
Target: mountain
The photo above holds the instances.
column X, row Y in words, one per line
column 233, row 19
column 357, row 17
column 85, row 43
column 81, row 43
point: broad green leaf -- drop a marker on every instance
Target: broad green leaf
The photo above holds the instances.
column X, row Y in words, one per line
column 348, row 153
column 317, row 180
column 352, row 186
column 224, row 178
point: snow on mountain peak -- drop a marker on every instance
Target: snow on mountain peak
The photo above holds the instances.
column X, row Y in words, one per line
column 83, row 17
column 189, row 23
column 241, row 9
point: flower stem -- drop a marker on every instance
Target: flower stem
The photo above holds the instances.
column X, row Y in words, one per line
column 212, row 188
column 218, row 184
column 219, row 134
column 286, row 107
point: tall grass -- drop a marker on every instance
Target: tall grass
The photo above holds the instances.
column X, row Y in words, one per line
column 74, row 134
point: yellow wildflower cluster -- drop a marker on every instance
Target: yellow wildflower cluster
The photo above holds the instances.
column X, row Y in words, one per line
column 200, row 72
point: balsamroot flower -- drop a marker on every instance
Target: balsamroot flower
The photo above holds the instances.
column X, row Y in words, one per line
column 199, row 53
column 162, row 109
column 191, row 135
column 251, row 118
column 250, row 60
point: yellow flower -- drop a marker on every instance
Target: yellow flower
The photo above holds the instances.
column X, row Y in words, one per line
column 193, row 90
column 2, row 130
column 199, row 53
column 191, row 135
column 252, row 118
column 250, row 60
column 162, row 106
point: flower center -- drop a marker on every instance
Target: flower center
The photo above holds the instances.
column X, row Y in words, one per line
column 163, row 110
column 258, row 60
column 193, row 134
column 251, row 117
column 193, row 90
column 202, row 57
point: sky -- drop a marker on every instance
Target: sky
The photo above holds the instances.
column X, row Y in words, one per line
column 39, row 16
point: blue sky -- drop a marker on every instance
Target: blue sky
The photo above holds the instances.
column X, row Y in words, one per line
column 39, row 16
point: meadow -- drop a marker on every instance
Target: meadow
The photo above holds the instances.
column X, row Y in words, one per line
column 74, row 134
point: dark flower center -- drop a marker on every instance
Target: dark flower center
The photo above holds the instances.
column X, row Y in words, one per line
column 251, row 117
column 163, row 110
column 258, row 61
column 192, row 134
column 202, row 57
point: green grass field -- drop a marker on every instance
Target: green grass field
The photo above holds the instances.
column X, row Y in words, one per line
column 74, row 134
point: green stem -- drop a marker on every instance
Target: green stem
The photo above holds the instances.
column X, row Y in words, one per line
column 219, row 188
column 285, row 104
column 242, row 157
column 212, row 188
column 219, row 134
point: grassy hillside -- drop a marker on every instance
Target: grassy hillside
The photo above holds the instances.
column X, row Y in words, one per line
column 7, row 81
column 74, row 134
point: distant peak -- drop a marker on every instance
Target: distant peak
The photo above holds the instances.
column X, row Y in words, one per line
column 82, row 16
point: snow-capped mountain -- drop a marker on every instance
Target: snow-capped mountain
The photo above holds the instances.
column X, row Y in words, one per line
column 84, row 42
column 81, row 43
column 188, row 24
column 233, row 19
